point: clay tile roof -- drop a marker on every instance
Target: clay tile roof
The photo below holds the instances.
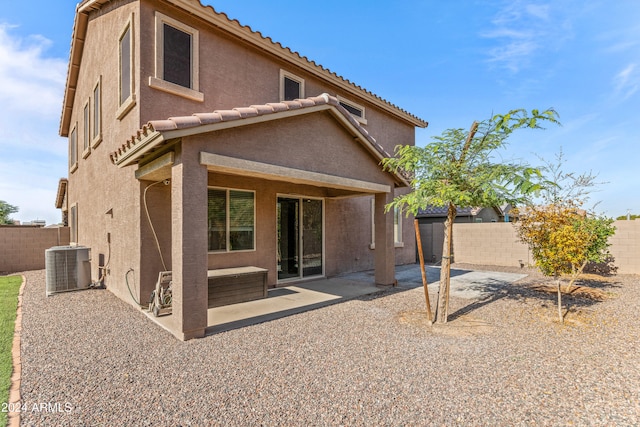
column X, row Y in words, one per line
column 238, row 114
column 162, row 125
column 262, row 109
column 208, row 118
column 186, row 121
column 278, row 106
column 247, row 112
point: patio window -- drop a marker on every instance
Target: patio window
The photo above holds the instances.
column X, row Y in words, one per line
column 231, row 220
column 397, row 227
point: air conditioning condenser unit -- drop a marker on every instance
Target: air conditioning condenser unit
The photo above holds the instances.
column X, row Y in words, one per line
column 68, row 268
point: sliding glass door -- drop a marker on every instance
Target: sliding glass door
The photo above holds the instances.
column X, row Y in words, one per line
column 300, row 238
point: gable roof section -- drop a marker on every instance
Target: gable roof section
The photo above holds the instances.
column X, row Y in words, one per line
column 61, row 193
column 156, row 133
column 230, row 26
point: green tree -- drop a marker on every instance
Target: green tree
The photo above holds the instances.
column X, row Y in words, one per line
column 458, row 170
column 630, row 216
column 5, row 210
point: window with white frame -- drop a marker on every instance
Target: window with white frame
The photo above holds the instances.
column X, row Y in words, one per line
column 177, row 58
column 397, row 226
column 73, row 149
column 96, row 134
column 86, row 131
column 231, row 220
column 291, row 86
column 73, row 223
column 357, row 111
column 126, row 87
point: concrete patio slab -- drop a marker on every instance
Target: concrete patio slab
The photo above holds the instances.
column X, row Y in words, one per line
column 300, row 297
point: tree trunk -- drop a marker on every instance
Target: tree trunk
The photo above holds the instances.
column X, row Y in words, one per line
column 574, row 276
column 442, row 311
column 560, row 316
column 424, row 273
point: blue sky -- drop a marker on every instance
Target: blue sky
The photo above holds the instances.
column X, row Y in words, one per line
column 448, row 62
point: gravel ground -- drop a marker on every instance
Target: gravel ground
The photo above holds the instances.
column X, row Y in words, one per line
column 93, row 360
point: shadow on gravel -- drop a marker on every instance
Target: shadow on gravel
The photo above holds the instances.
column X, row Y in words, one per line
column 587, row 292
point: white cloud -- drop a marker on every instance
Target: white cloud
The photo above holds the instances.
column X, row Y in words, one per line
column 626, row 82
column 32, row 153
column 520, row 30
column 30, row 81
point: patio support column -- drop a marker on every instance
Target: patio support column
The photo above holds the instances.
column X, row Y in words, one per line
column 385, row 261
column 189, row 244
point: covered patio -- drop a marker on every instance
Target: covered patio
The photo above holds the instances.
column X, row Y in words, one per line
column 310, row 149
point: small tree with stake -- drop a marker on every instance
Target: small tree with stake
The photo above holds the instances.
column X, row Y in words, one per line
column 457, row 170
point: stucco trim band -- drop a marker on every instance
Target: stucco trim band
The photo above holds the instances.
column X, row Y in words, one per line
column 236, row 166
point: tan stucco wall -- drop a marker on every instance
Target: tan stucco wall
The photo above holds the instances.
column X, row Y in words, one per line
column 23, row 248
column 108, row 200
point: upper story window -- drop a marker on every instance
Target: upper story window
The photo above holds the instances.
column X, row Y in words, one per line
column 73, row 149
column 357, row 111
column 96, row 134
column 291, row 86
column 177, row 58
column 86, row 134
column 126, row 92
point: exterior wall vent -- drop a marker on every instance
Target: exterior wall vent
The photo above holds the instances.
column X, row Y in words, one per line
column 68, row 268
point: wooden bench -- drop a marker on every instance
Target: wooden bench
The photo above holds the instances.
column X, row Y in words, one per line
column 234, row 285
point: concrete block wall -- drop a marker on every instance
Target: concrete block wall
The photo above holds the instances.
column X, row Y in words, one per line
column 489, row 244
column 22, row 247
column 625, row 246
column 497, row 244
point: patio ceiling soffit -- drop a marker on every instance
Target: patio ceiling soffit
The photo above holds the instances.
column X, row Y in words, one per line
column 157, row 133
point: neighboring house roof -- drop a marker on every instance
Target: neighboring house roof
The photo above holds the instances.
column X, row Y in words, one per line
column 436, row 211
column 156, row 133
column 231, row 26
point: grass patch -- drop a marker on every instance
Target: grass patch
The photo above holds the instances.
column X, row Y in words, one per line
column 9, row 288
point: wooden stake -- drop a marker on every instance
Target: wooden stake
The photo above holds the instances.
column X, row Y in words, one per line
column 424, row 273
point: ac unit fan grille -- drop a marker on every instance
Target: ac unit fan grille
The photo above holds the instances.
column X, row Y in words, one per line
column 67, row 269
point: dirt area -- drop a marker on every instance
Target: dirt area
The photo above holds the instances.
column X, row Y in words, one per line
column 536, row 291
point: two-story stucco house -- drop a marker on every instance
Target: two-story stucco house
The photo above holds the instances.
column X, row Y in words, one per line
column 197, row 145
